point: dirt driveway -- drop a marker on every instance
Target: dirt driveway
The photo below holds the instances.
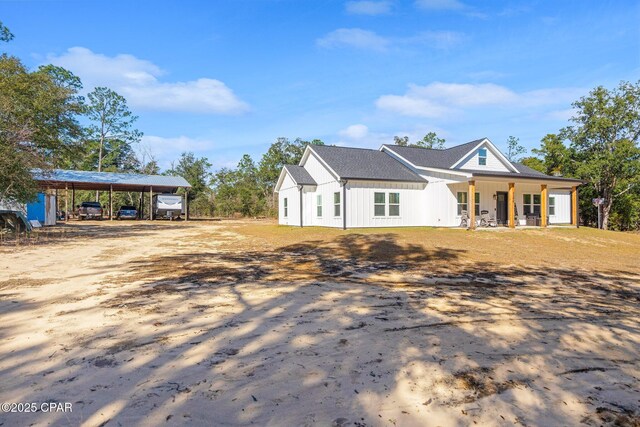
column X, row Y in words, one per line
column 235, row 323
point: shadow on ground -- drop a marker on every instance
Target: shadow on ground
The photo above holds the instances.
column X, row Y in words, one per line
column 361, row 330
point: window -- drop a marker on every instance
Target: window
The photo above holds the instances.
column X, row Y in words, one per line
column 482, row 157
column 394, row 204
column 552, row 206
column 336, row 203
column 462, row 202
column 379, row 207
column 319, row 205
column 531, row 203
column 477, row 204
column 286, row 207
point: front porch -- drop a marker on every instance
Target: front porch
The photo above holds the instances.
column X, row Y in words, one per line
column 504, row 203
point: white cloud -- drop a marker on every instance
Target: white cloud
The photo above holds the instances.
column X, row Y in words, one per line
column 440, row 4
column 368, row 40
column 357, row 131
column 354, row 37
column 165, row 150
column 368, row 7
column 439, row 99
column 138, row 81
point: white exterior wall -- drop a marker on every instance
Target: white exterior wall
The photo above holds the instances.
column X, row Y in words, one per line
column 563, row 207
column 493, row 161
column 327, row 185
column 289, row 190
column 360, row 204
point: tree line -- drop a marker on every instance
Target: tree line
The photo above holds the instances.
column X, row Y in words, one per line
column 45, row 123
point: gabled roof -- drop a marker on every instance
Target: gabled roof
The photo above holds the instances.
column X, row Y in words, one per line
column 90, row 180
column 434, row 158
column 364, row 164
column 300, row 175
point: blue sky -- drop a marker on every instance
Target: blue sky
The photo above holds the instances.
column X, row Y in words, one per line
column 226, row 78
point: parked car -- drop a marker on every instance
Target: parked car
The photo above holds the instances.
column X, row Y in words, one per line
column 127, row 212
column 88, row 210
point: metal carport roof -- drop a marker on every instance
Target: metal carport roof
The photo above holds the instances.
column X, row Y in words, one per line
column 104, row 181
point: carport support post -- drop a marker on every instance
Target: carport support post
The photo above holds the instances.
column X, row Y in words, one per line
column 66, row 202
column 186, row 205
column 471, row 207
column 512, row 205
column 150, row 203
column 73, row 197
column 574, row 206
column 110, row 202
column 543, row 205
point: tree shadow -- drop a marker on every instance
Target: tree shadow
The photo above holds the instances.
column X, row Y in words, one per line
column 360, row 330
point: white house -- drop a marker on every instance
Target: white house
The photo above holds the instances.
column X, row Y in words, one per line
column 408, row 186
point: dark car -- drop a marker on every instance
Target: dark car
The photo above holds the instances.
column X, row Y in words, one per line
column 127, row 212
column 88, row 210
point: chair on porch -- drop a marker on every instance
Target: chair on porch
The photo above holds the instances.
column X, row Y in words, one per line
column 464, row 220
column 487, row 220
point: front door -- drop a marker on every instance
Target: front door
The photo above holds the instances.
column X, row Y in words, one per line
column 501, row 207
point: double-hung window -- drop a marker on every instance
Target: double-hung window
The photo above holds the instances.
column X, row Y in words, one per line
column 482, row 157
column 286, row 207
column 336, row 204
column 394, row 204
column 477, row 204
column 462, row 202
column 531, row 203
column 552, row 206
column 319, row 205
column 379, row 204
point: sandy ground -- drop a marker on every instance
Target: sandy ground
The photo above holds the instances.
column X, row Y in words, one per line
column 202, row 323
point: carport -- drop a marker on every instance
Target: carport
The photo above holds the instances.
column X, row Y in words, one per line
column 60, row 179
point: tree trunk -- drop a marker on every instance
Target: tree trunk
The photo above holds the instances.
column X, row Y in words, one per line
column 606, row 210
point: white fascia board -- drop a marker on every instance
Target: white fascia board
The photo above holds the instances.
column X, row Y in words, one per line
column 448, row 171
column 495, row 151
column 280, row 179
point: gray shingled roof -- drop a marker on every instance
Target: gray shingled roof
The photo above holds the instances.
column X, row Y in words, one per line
column 57, row 178
column 525, row 172
column 300, row 175
column 365, row 164
column 434, row 158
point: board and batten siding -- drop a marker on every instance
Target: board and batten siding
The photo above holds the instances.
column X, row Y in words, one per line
column 289, row 190
column 327, row 186
column 563, row 207
column 361, row 197
column 493, row 161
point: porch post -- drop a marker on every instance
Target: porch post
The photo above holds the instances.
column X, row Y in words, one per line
column 471, row 206
column 511, row 202
column 574, row 205
column 186, row 205
column 543, row 205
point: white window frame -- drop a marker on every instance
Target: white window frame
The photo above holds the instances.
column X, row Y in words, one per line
column 552, row 206
column 464, row 205
column 319, row 205
column 531, row 205
column 377, row 204
column 394, row 204
column 286, row 207
column 482, row 157
column 337, row 205
column 477, row 204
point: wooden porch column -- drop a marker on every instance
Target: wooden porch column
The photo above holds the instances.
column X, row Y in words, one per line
column 544, row 210
column 66, row 202
column 150, row 203
column 471, row 205
column 511, row 203
column 574, row 205
column 110, row 202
